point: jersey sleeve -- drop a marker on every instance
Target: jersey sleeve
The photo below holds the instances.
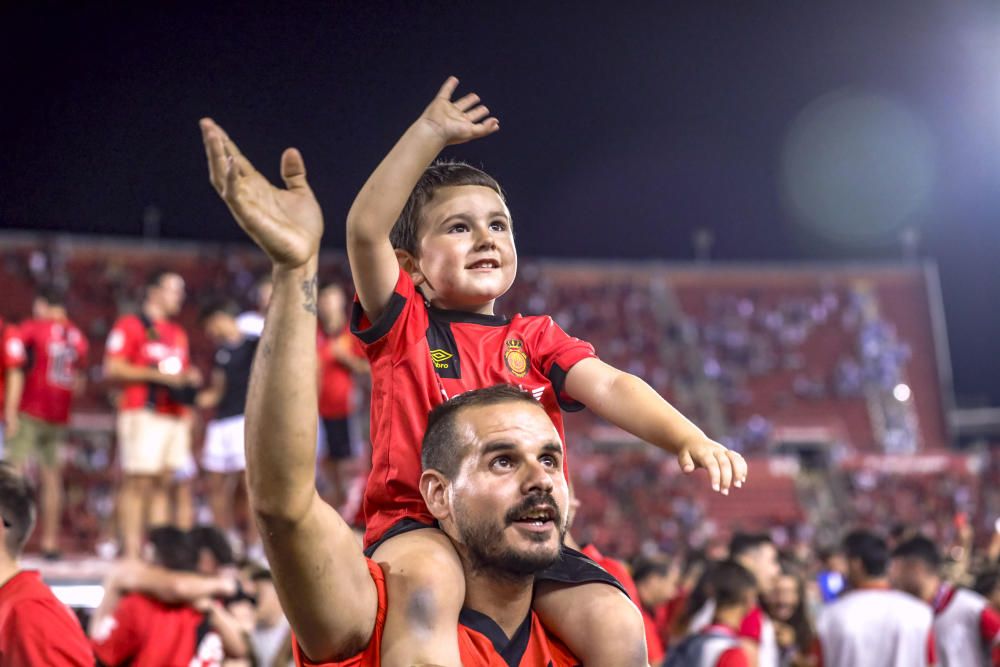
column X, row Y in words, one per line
column 400, row 322
column 557, row 352
column 122, row 340
column 371, row 654
column 989, row 631
column 118, row 637
column 13, row 347
column 931, row 648
column 733, row 657
column 42, row 636
column 752, row 626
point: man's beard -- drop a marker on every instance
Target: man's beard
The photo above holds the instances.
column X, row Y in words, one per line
column 487, row 549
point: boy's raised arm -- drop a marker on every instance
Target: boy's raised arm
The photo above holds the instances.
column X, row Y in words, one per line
column 319, row 571
column 381, row 200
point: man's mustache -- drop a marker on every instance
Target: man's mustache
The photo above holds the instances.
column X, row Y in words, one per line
column 531, row 503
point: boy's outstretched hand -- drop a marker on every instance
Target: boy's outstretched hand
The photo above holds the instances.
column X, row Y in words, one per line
column 725, row 467
column 459, row 121
column 287, row 224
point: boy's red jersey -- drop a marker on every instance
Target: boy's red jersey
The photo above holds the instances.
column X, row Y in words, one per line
column 57, row 351
column 421, row 356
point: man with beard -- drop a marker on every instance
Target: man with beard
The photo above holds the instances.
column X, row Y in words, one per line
column 492, row 468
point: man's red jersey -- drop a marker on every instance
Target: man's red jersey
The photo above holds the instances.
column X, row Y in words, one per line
column 420, row 357
column 147, row 633
column 36, row 628
column 162, row 345
column 617, row 569
column 336, row 382
column 56, row 351
column 11, row 356
column 481, row 642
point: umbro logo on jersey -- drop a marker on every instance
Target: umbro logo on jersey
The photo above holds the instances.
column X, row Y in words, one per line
column 441, row 359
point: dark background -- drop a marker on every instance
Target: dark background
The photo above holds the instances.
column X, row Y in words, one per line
column 624, row 127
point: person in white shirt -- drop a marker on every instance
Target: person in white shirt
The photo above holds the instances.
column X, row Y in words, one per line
column 966, row 628
column 872, row 625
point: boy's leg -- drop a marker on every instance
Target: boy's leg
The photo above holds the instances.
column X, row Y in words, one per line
column 599, row 623
column 588, row 610
column 426, row 584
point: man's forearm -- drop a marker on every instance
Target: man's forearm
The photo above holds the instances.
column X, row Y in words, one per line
column 122, row 371
column 13, row 392
column 281, row 413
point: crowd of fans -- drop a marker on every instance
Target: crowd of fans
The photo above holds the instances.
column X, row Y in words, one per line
column 758, row 351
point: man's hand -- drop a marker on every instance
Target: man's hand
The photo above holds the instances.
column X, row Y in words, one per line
column 725, row 467
column 286, row 224
column 459, row 121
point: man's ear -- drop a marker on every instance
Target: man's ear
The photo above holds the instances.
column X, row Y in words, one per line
column 409, row 264
column 434, row 488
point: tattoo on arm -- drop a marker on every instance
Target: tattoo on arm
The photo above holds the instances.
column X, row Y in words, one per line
column 309, row 292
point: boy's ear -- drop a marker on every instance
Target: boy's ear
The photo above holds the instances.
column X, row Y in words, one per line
column 434, row 489
column 409, row 264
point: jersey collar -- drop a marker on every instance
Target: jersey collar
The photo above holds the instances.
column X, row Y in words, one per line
column 442, row 315
column 511, row 649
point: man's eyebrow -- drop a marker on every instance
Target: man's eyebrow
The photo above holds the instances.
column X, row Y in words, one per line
column 553, row 447
column 498, row 446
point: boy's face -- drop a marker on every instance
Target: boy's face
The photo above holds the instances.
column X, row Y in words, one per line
column 466, row 249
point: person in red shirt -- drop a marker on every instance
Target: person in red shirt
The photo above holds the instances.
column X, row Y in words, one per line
column 719, row 644
column 11, row 379
column 56, row 353
column 148, row 354
column 35, row 627
column 966, row 627
column 340, row 358
column 137, row 629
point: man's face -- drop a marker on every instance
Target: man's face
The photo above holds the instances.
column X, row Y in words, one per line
column 221, row 328
column 466, row 247
column 908, row 575
column 169, row 294
column 784, row 597
column 331, row 308
column 763, row 563
column 509, row 497
column 39, row 308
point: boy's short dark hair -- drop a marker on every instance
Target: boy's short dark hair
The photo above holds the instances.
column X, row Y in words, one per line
column 919, row 548
column 730, row 583
column 51, row 294
column 742, row 543
column 17, row 508
column 174, row 548
column 441, row 449
column 406, row 232
column 868, row 548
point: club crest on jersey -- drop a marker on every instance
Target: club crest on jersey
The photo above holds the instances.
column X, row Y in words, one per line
column 441, row 359
column 515, row 357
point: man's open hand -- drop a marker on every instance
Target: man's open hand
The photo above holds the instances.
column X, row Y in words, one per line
column 286, row 223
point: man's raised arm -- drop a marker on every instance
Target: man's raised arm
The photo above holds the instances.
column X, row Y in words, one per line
column 319, row 571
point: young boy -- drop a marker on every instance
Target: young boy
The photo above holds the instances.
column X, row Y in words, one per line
column 431, row 248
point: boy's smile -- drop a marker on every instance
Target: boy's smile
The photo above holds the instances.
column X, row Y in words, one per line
column 467, row 256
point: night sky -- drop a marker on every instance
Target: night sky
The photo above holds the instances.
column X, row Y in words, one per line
column 623, row 127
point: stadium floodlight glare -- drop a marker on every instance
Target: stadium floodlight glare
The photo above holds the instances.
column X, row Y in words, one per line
column 901, row 392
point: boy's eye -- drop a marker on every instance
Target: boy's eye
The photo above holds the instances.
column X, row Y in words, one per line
column 498, row 226
column 460, row 227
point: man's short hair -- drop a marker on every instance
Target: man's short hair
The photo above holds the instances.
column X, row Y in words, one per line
column 17, row 508
column 51, row 294
column 868, row 548
column 405, row 232
column 742, row 543
column 441, row 449
column 730, row 583
column 156, row 276
column 645, row 567
column 175, row 549
column 211, row 308
column 919, row 548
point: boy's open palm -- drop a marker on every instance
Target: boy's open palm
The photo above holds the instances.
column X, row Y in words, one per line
column 459, row 121
column 286, row 223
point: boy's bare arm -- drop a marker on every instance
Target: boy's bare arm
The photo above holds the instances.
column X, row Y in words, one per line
column 631, row 404
column 319, row 571
column 377, row 207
